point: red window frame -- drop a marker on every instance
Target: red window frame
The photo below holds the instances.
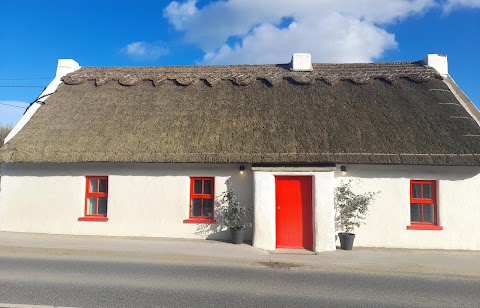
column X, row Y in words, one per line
column 433, row 200
column 98, row 194
column 203, row 196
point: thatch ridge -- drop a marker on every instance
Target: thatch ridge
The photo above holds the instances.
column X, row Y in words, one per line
column 359, row 73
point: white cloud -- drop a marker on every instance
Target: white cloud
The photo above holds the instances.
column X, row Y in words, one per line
column 145, row 50
column 253, row 31
column 11, row 111
column 452, row 4
column 353, row 41
column 179, row 13
column 331, row 30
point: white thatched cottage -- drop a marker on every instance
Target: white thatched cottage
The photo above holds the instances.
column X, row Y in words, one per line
column 144, row 152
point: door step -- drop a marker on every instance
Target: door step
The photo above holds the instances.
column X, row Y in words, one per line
column 292, row 251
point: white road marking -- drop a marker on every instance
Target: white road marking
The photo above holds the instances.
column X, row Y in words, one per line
column 5, row 305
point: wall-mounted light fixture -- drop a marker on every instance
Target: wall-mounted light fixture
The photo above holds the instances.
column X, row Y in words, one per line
column 242, row 168
column 343, row 169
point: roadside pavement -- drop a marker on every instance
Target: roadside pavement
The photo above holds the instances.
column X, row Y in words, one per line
column 395, row 261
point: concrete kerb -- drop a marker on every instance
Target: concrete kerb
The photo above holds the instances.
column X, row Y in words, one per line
column 135, row 249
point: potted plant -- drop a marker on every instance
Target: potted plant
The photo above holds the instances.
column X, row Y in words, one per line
column 235, row 215
column 351, row 209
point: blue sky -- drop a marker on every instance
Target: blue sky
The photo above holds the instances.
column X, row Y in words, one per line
column 35, row 34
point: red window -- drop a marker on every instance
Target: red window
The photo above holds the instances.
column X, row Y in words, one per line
column 423, row 205
column 201, row 200
column 96, row 198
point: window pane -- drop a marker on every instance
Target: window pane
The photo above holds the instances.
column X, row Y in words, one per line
column 103, row 185
column 93, row 185
column 197, row 186
column 196, row 207
column 415, row 212
column 207, row 187
column 208, row 207
column 428, row 213
column 427, row 191
column 102, row 206
column 416, row 190
column 92, row 205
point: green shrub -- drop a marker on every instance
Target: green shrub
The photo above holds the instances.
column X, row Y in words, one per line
column 351, row 208
column 233, row 214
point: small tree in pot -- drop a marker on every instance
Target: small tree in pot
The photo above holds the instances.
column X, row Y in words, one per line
column 235, row 215
column 351, row 209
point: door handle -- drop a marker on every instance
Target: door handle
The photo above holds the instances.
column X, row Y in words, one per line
column 278, row 207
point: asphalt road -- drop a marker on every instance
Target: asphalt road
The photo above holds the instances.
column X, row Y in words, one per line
column 80, row 282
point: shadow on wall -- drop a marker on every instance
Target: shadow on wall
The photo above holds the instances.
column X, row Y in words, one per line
column 116, row 169
column 450, row 173
column 217, row 231
column 220, row 230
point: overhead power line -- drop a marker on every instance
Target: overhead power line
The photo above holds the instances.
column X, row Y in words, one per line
column 12, row 105
column 25, row 79
column 22, row 86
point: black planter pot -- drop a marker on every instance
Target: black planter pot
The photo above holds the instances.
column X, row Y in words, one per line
column 237, row 235
column 346, row 240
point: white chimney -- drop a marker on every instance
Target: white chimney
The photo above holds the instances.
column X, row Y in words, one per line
column 66, row 66
column 301, row 62
column 438, row 62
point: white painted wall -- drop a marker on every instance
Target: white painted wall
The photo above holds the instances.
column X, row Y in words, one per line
column 386, row 225
column 323, row 212
column 144, row 199
column 264, row 232
column 152, row 200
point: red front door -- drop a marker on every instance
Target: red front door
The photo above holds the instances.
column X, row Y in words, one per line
column 294, row 211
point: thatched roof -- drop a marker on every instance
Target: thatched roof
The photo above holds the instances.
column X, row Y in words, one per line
column 378, row 113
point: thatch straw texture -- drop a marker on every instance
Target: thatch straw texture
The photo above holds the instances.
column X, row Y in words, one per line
column 397, row 113
column 4, row 131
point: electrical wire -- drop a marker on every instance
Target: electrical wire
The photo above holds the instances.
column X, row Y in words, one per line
column 12, row 105
column 2, row 79
column 22, row 87
column 40, row 97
